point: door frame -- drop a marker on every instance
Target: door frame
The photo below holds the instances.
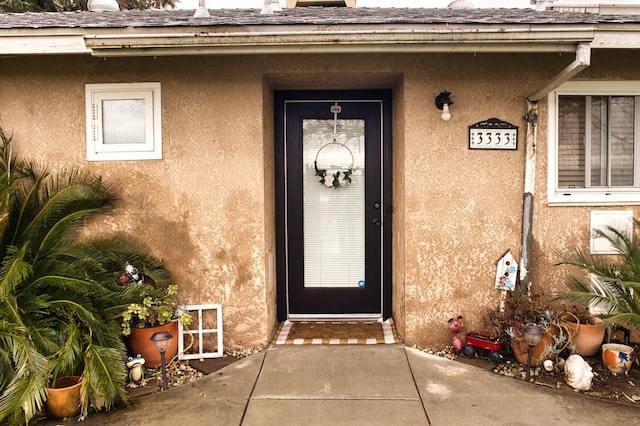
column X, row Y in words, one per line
column 280, row 99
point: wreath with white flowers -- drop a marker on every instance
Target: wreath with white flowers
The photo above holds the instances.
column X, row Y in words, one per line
column 334, row 177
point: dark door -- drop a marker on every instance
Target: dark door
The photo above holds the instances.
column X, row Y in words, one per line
column 333, row 203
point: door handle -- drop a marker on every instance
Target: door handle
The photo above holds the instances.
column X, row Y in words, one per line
column 377, row 222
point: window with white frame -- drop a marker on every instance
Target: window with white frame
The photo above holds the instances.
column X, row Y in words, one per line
column 594, row 143
column 123, row 121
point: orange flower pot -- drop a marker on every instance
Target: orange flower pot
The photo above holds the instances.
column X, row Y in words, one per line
column 140, row 343
column 520, row 350
column 63, row 398
column 588, row 337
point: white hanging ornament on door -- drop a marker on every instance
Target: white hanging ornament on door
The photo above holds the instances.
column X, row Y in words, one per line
column 335, row 176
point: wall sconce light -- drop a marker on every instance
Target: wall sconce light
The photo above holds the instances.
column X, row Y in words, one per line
column 532, row 335
column 443, row 102
column 161, row 341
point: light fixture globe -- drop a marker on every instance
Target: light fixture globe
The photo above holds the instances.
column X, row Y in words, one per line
column 533, row 334
column 446, row 115
column 443, row 102
column 161, row 340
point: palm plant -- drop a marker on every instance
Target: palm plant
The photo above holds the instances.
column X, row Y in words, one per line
column 612, row 287
column 61, row 303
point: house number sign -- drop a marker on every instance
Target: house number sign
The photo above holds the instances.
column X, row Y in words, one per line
column 493, row 134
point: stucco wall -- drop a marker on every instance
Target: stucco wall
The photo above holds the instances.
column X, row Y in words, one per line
column 559, row 228
column 202, row 208
column 207, row 208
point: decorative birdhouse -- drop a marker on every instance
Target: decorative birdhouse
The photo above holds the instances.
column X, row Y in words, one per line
column 506, row 272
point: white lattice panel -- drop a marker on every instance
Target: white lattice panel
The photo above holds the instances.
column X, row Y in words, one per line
column 206, row 329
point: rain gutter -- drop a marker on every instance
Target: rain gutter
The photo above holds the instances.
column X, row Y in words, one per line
column 265, row 39
column 582, row 61
column 547, row 39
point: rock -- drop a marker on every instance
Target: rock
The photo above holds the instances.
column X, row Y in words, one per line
column 577, row 373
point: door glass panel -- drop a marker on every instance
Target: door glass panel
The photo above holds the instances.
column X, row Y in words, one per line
column 334, row 221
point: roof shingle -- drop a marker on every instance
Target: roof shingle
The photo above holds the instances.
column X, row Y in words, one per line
column 302, row 16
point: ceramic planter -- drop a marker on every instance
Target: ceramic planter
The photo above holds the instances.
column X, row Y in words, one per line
column 520, row 350
column 140, row 343
column 588, row 337
column 63, row 398
column 617, row 357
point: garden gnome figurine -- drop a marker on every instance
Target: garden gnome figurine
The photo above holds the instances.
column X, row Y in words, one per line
column 136, row 372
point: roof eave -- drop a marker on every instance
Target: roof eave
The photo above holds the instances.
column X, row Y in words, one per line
column 361, row 41
column 53, row 44
column 617, row 37
column 151, row 41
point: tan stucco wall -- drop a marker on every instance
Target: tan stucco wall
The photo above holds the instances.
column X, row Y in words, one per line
column 202, row 208
column 462, row 206
column 561, row 227
column 208, row 209
column 399, row 170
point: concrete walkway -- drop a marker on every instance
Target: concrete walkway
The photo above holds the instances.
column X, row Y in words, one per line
column 362, row 385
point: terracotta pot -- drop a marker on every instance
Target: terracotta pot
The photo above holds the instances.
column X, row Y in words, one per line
column 520, row 350
column 588, row 337
column 617, row 357
column 63, row 398
column 140, row 343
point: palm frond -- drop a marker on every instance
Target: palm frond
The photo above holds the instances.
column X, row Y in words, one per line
column 629, row 320
column 612, row 285
column 65, row 210
column 15, row 270
column 62, row 304
column 65, row 361
column 27, row 387
column 104, row 366
column 25, row 204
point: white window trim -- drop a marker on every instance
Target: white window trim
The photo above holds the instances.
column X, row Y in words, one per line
column 588, row 196
column 151, row 149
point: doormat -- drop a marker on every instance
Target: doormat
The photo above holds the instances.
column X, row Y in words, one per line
column 336, row 333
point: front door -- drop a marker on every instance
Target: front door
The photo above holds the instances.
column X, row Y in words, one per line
column 333, row 204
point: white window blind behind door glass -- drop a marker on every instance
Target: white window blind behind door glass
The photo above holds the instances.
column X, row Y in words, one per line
column 334, row 233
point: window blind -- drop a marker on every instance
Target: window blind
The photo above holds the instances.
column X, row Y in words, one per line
column 334, row 237
column 596, row 141
column 571, row 139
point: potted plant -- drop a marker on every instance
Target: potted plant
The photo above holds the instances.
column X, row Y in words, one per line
column 520, row 311
column 61, row 304
column 156, row 310
column 610, row 284
column 589, row 331
column 63, row 397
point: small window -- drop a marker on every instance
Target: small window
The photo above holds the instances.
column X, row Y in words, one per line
column 123, row 122
column 594, row 143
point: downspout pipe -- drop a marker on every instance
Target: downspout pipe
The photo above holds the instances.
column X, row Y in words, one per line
column 582, row 61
